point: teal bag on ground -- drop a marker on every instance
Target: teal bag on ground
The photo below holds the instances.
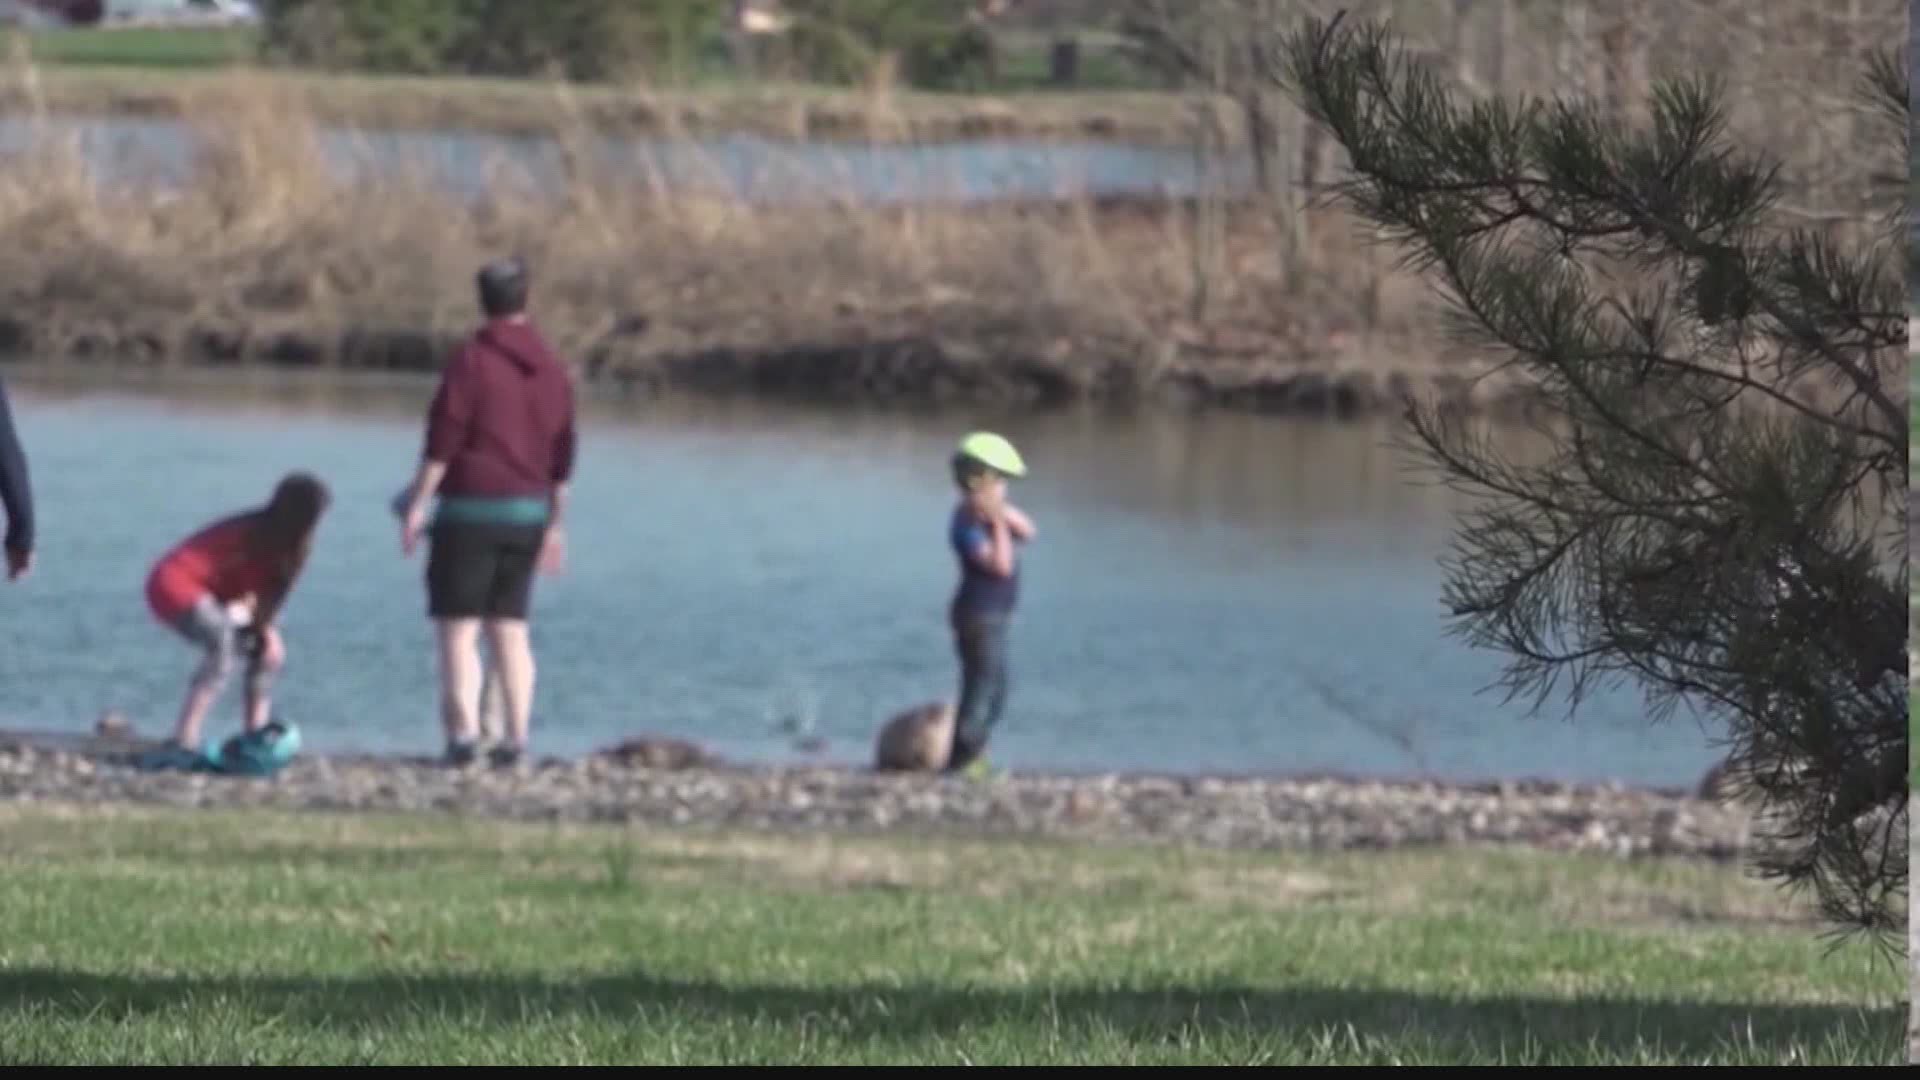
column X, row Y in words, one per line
column 250, row 753
column 256, row 753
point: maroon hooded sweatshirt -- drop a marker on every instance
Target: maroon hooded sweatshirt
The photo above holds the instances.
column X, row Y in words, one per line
column 503, row 418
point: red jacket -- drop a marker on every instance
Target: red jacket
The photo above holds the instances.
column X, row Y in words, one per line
column 219, row 560
column 503, row 418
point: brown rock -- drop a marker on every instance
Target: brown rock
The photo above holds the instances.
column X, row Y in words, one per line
column 1083, row 806
column 647, row 752
column 917, row 740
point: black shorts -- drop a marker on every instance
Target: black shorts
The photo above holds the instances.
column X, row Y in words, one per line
column 482, row 571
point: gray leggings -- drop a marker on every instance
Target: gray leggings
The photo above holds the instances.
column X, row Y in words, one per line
column 210, row 627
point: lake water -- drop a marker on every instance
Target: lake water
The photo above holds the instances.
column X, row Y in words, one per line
column 161, row 151
column 1226, row 593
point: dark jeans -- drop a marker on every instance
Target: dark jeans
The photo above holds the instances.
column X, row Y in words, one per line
column 981, row 643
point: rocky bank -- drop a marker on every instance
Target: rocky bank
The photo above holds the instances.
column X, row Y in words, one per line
column 1228, row 813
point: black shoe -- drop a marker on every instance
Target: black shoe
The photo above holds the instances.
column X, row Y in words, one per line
column 461, row 754
column 963, row 755
column 505, row 756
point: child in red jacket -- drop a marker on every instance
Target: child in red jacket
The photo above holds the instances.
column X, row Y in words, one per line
column 222, row 589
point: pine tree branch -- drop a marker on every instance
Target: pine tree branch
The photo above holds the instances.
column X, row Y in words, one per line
column 1702, row 526
column 1435, row 180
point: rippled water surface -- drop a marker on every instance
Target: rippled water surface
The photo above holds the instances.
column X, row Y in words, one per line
column 1226, row 593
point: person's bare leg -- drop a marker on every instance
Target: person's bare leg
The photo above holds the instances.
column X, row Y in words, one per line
column 201, row 693
column 460, row 675
column 259, row 701
column 512, row 650
column 206, row 626
column 493, row 716
column 261, row 672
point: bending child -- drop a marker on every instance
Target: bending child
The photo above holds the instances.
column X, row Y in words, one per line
column 222, row 589
column 983, row 532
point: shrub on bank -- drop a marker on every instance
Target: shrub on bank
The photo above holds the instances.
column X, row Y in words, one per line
column 391, row 36
column 581, row 39
column 928, row 43
column 848, row 41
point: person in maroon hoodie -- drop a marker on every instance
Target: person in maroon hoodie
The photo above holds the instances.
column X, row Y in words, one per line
column 499, row 454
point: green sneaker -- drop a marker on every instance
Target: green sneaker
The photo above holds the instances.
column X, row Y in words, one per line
column 979, row 771
column 170, row 756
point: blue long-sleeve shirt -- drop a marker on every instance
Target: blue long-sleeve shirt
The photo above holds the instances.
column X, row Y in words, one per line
column 16, row 486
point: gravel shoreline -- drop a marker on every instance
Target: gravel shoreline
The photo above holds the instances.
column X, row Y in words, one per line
column 1208, row 812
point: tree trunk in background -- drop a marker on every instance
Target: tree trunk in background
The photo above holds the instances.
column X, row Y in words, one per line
column 740, row 43
column 1209, row 227
column 1262, row 139
column 1460, row 40
column 1063, row 67
column 1497, row 45
column 1570, row 65
column 1256, row 108
column 1313, row 143
column 1624, row 53
column 1293, row 214
column 1849, row 126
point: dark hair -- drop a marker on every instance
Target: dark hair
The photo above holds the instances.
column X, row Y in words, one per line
column 966, row 470
column 287, row 522
column 503, row 287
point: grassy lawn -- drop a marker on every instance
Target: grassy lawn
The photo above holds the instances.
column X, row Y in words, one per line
column 150, row 47
column 168, row 937
column 1024, row 63
column 145, row 72
column 1024, row 56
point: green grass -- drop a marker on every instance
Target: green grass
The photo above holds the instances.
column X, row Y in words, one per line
column 1024, row 63
column 147, row 47
column 154, row 71
column 172, row 937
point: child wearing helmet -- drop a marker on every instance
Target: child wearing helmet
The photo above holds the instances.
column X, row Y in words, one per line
column 983, row 531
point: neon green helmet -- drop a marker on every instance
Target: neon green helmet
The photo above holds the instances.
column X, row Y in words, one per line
column 993, row 451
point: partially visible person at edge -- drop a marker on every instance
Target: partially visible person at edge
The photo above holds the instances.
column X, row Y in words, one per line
column 223, row 588
column 983, row 531
column 498, row 455
column 16, row 494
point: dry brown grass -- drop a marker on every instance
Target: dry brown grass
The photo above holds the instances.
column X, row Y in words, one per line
column 782, row 110
column 265, row 245
column 265, row 255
